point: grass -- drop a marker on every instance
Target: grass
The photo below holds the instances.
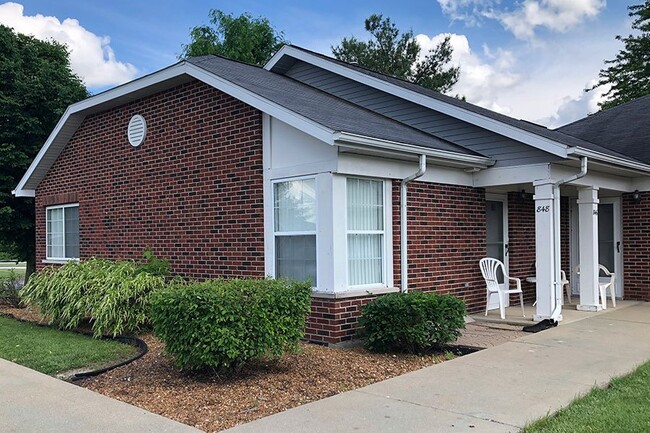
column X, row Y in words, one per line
column 51, row 351
column 6, row 269
column 6, row 273
column 622, row 407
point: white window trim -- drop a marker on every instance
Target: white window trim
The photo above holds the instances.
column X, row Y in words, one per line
column 387, row 247
column 271, row 268
column 58, row 260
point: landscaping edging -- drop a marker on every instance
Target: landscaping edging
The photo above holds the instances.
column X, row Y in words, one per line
column 131, row 341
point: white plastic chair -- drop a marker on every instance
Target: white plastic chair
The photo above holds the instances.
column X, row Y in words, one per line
column 603, row 286
column 489, row 269
column 610, row 284
column 566, row 286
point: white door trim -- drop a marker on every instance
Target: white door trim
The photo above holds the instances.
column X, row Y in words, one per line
column 503, row 198
column 618, row 243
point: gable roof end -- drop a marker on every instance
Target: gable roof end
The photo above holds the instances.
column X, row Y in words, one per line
column 316, row 113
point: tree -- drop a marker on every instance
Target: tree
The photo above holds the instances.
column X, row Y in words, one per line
column 629, row 73
column 397, row 55
column 36, row 86
column 244, row 38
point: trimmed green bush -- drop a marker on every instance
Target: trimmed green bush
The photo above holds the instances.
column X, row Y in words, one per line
column 411, row 322
column 222, row 324
column 113, row 295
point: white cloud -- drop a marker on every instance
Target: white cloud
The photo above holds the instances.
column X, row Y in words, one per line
column 543, row 84
column 555, row 15
column 576, row 107
column 527, row 16
column 91, row 56
column 480, row 82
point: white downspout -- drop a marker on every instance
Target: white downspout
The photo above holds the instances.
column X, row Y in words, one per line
column 556, row 235
column 403, row 224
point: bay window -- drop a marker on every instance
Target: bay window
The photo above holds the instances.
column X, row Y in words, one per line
column 294, row 210
column 365, row 232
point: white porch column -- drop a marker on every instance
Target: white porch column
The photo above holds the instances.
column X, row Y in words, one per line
column 544, row 251
column 588, row 240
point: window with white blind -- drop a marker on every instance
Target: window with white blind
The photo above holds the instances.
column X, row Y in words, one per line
column 294, row 210
column 365, row 232
column 62, row 232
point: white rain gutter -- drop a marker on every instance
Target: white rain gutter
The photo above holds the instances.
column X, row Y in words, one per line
column 556, row 235
column 403, row 223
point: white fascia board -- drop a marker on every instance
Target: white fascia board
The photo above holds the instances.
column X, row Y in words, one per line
column 306, row 125
column 20, row 191
column 512, row 175
column 476, row 119
column 277, row 56
column 352, row 140
column 614, row 160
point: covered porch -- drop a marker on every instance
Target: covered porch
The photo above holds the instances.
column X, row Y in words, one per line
column 568, row 216
column 570, row 313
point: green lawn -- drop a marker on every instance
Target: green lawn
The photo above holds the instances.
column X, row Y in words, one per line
column 622, row 407
column 51, row 351
column 6, row 273
column 5, row 269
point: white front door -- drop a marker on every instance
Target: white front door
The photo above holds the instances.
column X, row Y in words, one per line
column 610, row 245
column 497, row 235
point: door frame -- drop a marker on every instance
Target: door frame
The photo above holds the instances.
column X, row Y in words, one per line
column 574, row 250
column 503, row 198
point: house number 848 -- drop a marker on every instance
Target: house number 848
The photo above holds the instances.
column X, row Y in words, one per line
column 543, row 208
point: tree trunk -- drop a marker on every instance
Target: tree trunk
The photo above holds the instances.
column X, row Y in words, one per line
column 30, row 267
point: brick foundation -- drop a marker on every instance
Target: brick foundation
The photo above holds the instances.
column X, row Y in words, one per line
column 334, row 320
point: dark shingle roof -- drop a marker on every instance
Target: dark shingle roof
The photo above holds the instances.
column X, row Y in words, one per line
column 624, row 128
column 540, row 130
column 323, row 108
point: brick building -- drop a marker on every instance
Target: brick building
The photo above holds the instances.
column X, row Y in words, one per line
column 298, row 169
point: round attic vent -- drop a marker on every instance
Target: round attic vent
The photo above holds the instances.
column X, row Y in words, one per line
column 137, row 130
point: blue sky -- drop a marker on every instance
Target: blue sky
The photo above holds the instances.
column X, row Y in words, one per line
column 529, row 59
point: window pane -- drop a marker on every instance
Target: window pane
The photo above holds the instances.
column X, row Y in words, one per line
column 295, row 257
column 295, row 205
column 54, row 233
column 72, row 232
column 365, row 259
column 365, row 204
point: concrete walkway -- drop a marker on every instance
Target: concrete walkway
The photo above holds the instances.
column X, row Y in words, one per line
column 34, row 402
column 495, row 390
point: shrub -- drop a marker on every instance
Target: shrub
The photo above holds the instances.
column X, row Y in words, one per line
column 222, row 324
column 9, row 287
column 154, row 265
column 412, row 322
column 113, row 295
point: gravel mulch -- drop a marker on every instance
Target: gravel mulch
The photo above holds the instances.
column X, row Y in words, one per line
column 213, row 403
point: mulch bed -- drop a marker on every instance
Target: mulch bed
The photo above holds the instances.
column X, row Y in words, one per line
column 212, row 402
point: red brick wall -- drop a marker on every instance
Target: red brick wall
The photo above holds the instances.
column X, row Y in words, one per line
column 192, row 191
column 521, row 244
column 636, row 247
column 446, row 240
column 521, row 233
column 334, row 320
